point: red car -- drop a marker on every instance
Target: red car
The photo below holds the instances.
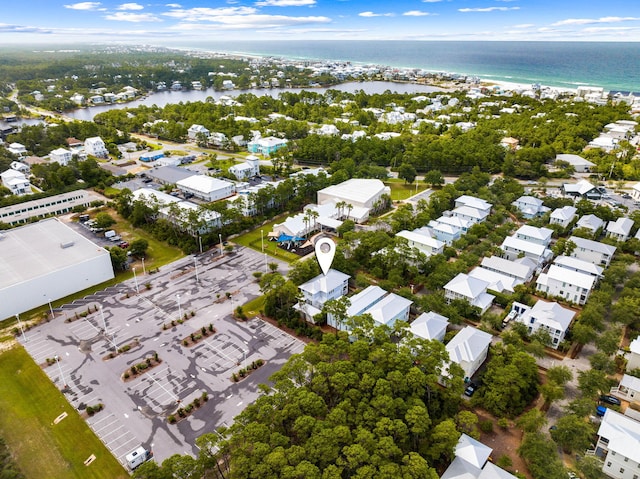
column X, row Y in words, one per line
column 123, row 244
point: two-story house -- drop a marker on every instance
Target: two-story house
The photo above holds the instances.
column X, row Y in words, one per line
column 530, row 206
column 532, row 234
column 549, row 316
column 521, row 269
column 469, row 349
column 61, row 155
column 619, row 445
column 591, row 223
column 430, row 326
column 321, row 289
column 16, row 182
column 563, row 216
column 620, row 229
column 570, row 285
column 472, row 290
column 514, row 248
column 592, row 251
column 422, row 240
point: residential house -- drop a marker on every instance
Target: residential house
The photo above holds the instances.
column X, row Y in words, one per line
column 514, row 248
column 472, row 461
column 590, row 222
column 628, row 388
column 592, row 251
column 470, row 214
column 521, row 269
column 16, row 182
column 580, row 165
column 196, row 132
column 497, row 281
column 430, row 326
column 532, row 234
column 635, row 192
column 633, row 357
column 326, row 130
column 444, row 232
column 17, row 149
column 19, row 166
column 61, row 156
column 77, row 98
column 582, row 189
column 217, row 139
column 549, row 316
column 248, row 169
column 570, row 285
column 422, row 240
column 206, row 188
column 469, row 289
column 619, row 444
column 469, row 349
column 530, row 206
column 579, row 265
column 620, row 229
column 563, row 216
column 96, row 147
column 510, row 143
column 317, row 291
column 473, row 202
column 266, row 146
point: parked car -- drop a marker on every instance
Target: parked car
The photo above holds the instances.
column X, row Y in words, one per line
column 626, row 196
column 610, row 399
column 123, row 244
column 601, row 411
column 470, row 389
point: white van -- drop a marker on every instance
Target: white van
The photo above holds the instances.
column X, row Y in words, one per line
column 137, row 457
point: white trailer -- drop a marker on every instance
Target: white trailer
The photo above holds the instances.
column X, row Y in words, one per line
column 137, row 457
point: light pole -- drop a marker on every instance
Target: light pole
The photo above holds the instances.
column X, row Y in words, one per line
column 51, row 308
column 144, row 271
column 220, row 237
column 195, row 261
column 135, row 279
column 104, row 323
column 265, row 263
column 262, row 239
column 64, row 384
column 179, row 307
column 24, row 338
column 200, row 242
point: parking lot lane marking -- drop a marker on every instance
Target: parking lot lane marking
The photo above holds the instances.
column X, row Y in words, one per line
column 126, row 416
column 240, row 403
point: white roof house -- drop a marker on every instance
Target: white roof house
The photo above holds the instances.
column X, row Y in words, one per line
column 469, row 349
column 579, row 164
column 581, row 188
column 472, row 462
column 196, row 130
column 430, row 326
column 357, row 192
column 592, row 251
column 576, row 264
column 521, row 269
column 16, row 182
column 96, row 147
column 19, row 166
column 633, row 358
column 590, row 222
column 422, row 240
column 619, row 444
column 472, row 451
column 247, row 169
column 471, row 214
column 563, row 216
column 470, row 289
column 533, row 234
column 17, row 149
column 628, row 389
column 497, row 281
column 635, row 192
column 619, row 229
column 206, row 187
column 513, row 248
column 456, row 221
column 473, row 202
column 570, row 285
column 321, row 289
column 62, row 156
column 530, row 206
column 549, row 316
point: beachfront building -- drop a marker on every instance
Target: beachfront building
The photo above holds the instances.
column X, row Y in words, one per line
column 563, row 216
column 469, row 289
column 592, row 251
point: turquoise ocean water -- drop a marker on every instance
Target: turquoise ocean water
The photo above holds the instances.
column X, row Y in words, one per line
column 613, row 66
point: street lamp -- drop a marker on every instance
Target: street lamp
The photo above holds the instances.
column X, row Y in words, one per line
column 179, row 307
column 135, row 279
column 50, row 308
column 24, row 338
column 195, row 261
column 200, row 241
column 104, row 324
column 64, row 384
column 265, row 263
column 220, row 237
column 144, row 271
column 262, row 239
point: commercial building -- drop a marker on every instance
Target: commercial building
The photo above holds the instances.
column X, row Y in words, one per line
column 46, row 261
column 206, row 188
column 50, row 206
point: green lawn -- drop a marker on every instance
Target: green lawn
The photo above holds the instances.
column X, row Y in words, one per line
column 253, row 307
column 253, row 240
column 29, row 404
column 402, row 191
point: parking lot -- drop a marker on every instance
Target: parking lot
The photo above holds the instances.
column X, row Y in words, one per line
column 74, row 351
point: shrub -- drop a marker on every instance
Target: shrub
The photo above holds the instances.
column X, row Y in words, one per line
column 503, row 422
column 185, row 342
column 142, row 366
column 127, row 375
column 171, row 419
column 210, row 328
column 259, row 362
column 196, row 402
column 193, row 313
column 205, row 396
column 204, row 331
column 188, row 408
column 235, row 378
column 486, row 426
column 181, row 412
column 134, row 370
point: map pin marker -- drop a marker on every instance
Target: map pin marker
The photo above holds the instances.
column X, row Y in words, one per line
column 325, row 251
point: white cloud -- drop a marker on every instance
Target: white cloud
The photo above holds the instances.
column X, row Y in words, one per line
column 524, row 25
column 587, row 21
column 84, row 6
column 487, row 9
column 130, row 6
column 173, row 5
column 235, row 21
column 8, row 28
column 132, row 17
column 371, row 14
column 285, row 3
column 204, row 14
column 416, row 13
column 431, row 1
column 608, row 29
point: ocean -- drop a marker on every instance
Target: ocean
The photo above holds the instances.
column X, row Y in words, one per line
column 614, row 66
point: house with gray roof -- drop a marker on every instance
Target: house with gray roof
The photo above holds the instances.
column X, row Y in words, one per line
column 430, row 326
column 563, row 216
column 592, row 251
column 571, row 285
column 620, row 229
column 580, row 165
column 472, row 290
column 590, row 222
column 469, row 349
column 549, row 316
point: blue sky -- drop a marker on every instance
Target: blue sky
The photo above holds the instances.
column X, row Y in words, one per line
column 54, row 21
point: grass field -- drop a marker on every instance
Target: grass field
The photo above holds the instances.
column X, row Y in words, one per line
column 253, row 240
column 253, row 307
column 29, row 403
column 402, row 191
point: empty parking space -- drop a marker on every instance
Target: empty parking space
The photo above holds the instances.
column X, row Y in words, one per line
column 161, row 389
column 220, row 355
column 275, row 337
column 112, row 432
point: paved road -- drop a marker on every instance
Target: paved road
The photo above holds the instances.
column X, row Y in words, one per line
column 136, row 410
